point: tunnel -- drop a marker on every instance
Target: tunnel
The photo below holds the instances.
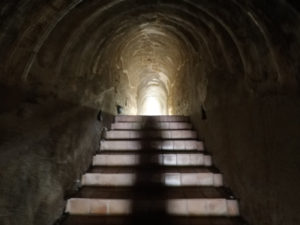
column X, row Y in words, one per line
column 232, row 66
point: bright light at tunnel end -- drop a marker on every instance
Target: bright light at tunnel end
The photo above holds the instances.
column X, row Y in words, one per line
column 152, row 107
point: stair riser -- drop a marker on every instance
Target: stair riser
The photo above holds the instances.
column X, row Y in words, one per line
column 159, row 145
column 185, row 207
column 162, row 159
column 168, row 179
column 155, row 126
column 176, row 134
column 151, row 119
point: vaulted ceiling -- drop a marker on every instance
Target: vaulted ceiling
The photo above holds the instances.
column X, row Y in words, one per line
column 103, row 53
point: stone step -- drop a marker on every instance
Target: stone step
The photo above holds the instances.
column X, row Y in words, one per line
column 169, row 179
column 150, row 219
column 158, row 144
column 180, row 159
column 146, row 190
column 125, row 118
column 151, row 126
column 152, row 191
column 152, row 152
column 153, row 168
column 186, row 207
column 164, row 134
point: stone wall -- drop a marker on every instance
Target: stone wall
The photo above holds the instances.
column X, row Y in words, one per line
column 46, row 144
column 255, row 143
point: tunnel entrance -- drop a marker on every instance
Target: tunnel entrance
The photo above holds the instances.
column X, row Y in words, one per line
column 151, row 106
column 152, row 98
column 149, row 64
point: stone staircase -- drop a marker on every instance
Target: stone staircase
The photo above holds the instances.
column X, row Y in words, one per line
column 152, row 170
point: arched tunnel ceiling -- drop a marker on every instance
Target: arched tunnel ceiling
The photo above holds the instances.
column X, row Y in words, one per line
column 103, row 53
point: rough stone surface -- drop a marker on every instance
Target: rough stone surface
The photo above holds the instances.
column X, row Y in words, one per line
column 45, row 147
column 256, row 145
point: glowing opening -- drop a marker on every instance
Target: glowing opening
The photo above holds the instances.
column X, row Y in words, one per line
column 152, row 95
column 152, row 107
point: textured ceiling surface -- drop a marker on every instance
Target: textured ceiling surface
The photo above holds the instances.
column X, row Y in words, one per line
column 103, row 53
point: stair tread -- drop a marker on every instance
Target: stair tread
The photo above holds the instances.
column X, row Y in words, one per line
column 149, row 144
column 149, row 158
column 150, row 123
column 151, row 126
column 147, row 140
column 150, row 139
column 153, row 151
column 154, row 131
column 149, row 129
column 148, row 152
column 125, row 118
column 151, row 134
column 134, row 169
column 137, row 219
column 150, row 192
